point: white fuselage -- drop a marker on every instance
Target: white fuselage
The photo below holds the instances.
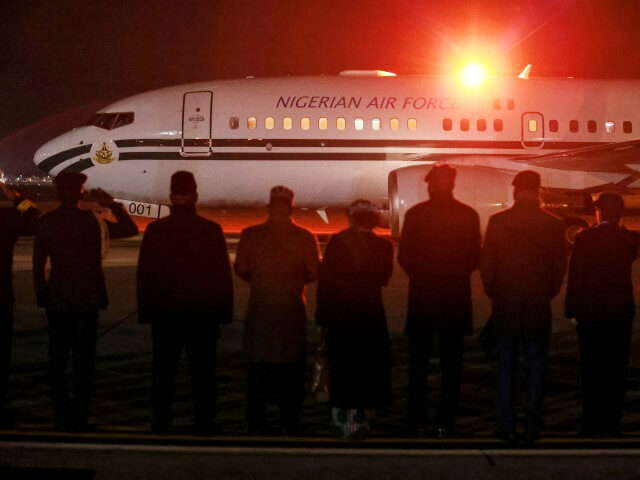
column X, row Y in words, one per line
column 218, row 130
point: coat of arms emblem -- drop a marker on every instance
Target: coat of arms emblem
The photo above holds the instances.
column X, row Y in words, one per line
column 103, row 154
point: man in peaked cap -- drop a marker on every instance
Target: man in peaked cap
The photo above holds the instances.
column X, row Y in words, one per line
column 522, row 266
column 439, row 248
column 600, row 297
column 18, row 220
column 277, row 258
column 73, row 239
column 185, row 292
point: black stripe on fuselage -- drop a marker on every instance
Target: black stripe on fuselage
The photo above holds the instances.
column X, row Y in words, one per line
column 50, row 163
column 333, row 143
column 53, row 161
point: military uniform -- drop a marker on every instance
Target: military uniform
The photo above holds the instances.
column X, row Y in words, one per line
column 185, row 291
column 522, row 266
column 21, row 220
column 277, row 258
column 439, row 248
column 600, row 297
column 73, row 293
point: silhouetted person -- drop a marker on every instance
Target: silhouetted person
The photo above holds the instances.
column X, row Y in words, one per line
column 277, row 258
column 74, row 241
column 522, row 267
column 16, row 221
column 600, row 297
column 439, row 248
column 357, row 263
column 185, row 291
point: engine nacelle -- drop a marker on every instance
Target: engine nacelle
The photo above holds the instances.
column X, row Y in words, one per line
column 488, row 190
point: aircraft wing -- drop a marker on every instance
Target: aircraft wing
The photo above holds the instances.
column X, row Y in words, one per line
column 615, row 157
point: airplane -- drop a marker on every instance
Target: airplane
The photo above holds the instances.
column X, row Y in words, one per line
column 363, row 134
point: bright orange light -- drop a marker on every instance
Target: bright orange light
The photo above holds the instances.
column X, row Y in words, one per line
column 474, row 74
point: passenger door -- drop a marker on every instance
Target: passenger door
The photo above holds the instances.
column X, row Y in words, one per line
column 196, row 124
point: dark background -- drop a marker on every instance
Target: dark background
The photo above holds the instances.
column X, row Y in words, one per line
column 61, row 60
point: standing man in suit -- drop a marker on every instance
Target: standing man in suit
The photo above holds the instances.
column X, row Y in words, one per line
column 439, row 248
column 185, row 292
column 16, row 221
column 278, row 258
column 600, row 297
column 74, row 240
column 522, row 267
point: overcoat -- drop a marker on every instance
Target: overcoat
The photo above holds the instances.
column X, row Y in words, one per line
column 599, row 285
column 356, row 265
column 71, row 238
column 277, row 258
column 184, row 266
column 522, row 267
column 439, row 248
column 13, row 224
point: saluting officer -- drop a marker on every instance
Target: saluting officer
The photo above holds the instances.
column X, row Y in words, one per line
column 277, row 258
column 185, row 291
column 19, row 220
column 74, row 240
column 439, row 248
column 600, row 297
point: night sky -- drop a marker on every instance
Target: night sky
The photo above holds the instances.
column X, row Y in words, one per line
column 63, row 59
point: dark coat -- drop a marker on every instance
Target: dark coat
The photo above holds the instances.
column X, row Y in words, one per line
column 71, row 238
column 184, row 266
column 522, row 267
column 356, row 265
column 439, row 248
column 13, row 224
column 599, row 284
column 277, row 258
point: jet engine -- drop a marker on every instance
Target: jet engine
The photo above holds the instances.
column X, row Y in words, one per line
column 488, row 190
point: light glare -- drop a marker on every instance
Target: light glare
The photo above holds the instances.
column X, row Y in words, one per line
column 474, row 74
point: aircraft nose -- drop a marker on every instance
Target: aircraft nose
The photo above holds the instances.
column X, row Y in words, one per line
column 52, row 153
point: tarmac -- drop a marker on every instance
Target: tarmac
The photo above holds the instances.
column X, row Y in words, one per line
column 121, row 406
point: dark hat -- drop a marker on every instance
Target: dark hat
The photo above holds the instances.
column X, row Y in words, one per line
column 441, row 174
column 280, row 191
column 70, row 181
column 363, row 206
column 610, row 203
column 526, row 180
column 183, row 183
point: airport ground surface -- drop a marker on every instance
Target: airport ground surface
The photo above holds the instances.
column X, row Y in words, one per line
column 121, row 410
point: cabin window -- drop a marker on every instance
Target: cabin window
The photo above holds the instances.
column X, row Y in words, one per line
column 287, row 123
column 323, row 123
column 497, row 125
column 481, row 124
column 376, row 123
column 358, row 123
column 573, row 126
column 511, row 104
column 269, row 123
column 627, row 127
column 464, row 124
column 610, row 127
column 592, row 126
column 447, row 124
column 305, row 123
column 533, row 125
column 553, row 125
column 251, row 123
column 496, row 104
column 412, row 124
column 124, row 118
column 394, row 124
column 234, row 123
column 341, row 123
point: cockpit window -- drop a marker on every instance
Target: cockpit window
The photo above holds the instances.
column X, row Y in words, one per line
column 109, row 121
